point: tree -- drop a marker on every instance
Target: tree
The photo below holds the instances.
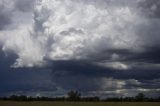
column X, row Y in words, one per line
column 74, row 95
column 140, row 97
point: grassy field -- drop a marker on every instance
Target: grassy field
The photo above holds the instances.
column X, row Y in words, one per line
column 10, row 103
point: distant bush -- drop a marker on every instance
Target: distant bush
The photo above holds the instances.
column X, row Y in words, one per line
column 76, row 96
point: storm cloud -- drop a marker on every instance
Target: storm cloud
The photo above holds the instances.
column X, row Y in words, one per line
column 98, row 47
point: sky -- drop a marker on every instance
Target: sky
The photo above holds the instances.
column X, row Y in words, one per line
column 106, row 48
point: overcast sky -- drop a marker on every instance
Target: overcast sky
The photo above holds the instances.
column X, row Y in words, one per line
column 98, row 47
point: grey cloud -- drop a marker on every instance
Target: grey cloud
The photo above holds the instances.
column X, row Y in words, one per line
column 80, row 83
column 149, row 55
column 68, row 38
column 151, row 84
column 4, row 21
column 83, row 76
column 72, row 30
column 87, row 77
column 151, row 8
column 5, row 17
column 25, row 5
column 76, row 36
column 72, row 68
column 128, row 92
column 9, row 11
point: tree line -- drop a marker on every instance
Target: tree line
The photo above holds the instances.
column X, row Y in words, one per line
column 76, row 96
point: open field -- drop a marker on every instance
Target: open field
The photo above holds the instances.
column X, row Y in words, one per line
column 37, row 103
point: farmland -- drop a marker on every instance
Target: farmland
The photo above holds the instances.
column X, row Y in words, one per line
column 42, row 103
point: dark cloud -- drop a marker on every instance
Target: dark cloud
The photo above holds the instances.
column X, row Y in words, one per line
column 73, row 68
column 87, row 77
column 24, row 80
column 151, row 84
column 77, row 75
column 149, row 55
column 151, row 7
column 96, row 70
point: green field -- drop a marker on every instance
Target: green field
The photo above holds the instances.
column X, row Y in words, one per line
column 10, row 103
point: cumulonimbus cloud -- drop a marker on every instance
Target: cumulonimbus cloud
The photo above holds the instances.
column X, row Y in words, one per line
column 106, row 47
column 77, row 30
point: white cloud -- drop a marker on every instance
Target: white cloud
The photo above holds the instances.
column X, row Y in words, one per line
column 109, row 83
column 75, row 30
column 64, row 30
column 22, row 44
column 133, row 82
column 114, row 65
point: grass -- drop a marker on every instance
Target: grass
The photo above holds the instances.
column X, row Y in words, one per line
column 38, row 103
